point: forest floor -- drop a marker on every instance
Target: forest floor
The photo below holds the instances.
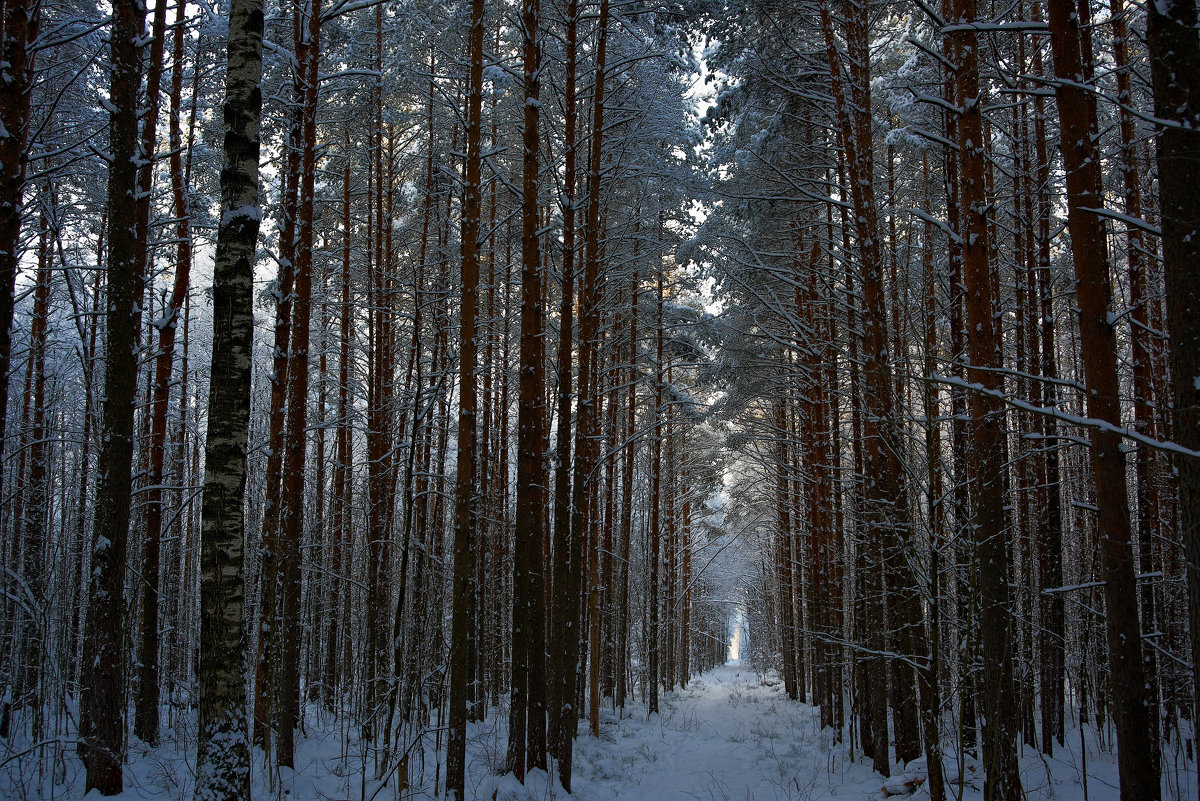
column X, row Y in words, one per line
column 730, row 735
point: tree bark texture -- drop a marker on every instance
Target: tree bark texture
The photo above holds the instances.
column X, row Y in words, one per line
column 466, row 535
column 1000, row 731
column 101, row 713
column 527, row 716
column 20, row 29
column 1133, row 714
column 223, row 758
column 1175, row 65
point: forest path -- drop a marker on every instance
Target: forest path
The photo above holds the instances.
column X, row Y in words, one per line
column 727, row 736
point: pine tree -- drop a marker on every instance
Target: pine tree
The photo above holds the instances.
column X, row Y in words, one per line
column 466, row 529
column 101, row 716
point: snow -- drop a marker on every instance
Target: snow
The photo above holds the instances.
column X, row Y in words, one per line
column 495, row 74
column 731, row 734
column 246, row 212
column 1079, row 420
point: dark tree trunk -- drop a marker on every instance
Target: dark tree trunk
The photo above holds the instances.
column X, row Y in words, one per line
column 287, row 684
column 145, row 723
column 1051, row 636
column 652, row 635
column 380, row 387
column 101, row 712
column 32, row 519
column 584, row 494
column 20, row 29
column 627, row 469
column 527, row 715
column 566, row 619
column 465, row 520
column 1003, row 781
column 1175, row 64
column 1147, row 463
column 884, row 509
column 1133, row 715
column 340, row 514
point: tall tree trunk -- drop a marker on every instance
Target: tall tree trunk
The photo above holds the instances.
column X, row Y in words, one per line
column 685, row 574
column 89, row 420
column 608, row 554
column 929, row 675
column 811, row 446
column 653, row 633
column 967, row 606
column 32, row 521
column 465, row 519
column 584, row 495
column 1003, row 781
column 859, row 668
column 145, row 723
column 1147, row 462
column 883, row 489
column 270, row 626
column 343, row 449
column 1028, row 458
column 668, row 497
column 287, row 686
column 566, row 619
column 1051, row 635
column 1133, row 715
column 20, row 29
column 527, row 712
column 180, row 164
column 1175, row 65
column 101, row 712
column 785, row 564
column 627, row 469
column 903, row 598
column 223, row 758
column 380, row 457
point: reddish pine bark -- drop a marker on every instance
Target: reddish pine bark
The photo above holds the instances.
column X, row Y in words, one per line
column 465, row 520
column 563, row 713
column 1133, row 715
column 1175, row 65
column 146, row 709
column 527, row 712
column 987, row 414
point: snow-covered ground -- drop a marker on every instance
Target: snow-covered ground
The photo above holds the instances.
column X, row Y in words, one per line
column 733, row 736
column 729, row 736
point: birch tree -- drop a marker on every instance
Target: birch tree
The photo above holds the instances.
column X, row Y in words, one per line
column 223, row 757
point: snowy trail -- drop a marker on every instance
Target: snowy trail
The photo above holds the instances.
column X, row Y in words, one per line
column 731, row 736
column 727, row 736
